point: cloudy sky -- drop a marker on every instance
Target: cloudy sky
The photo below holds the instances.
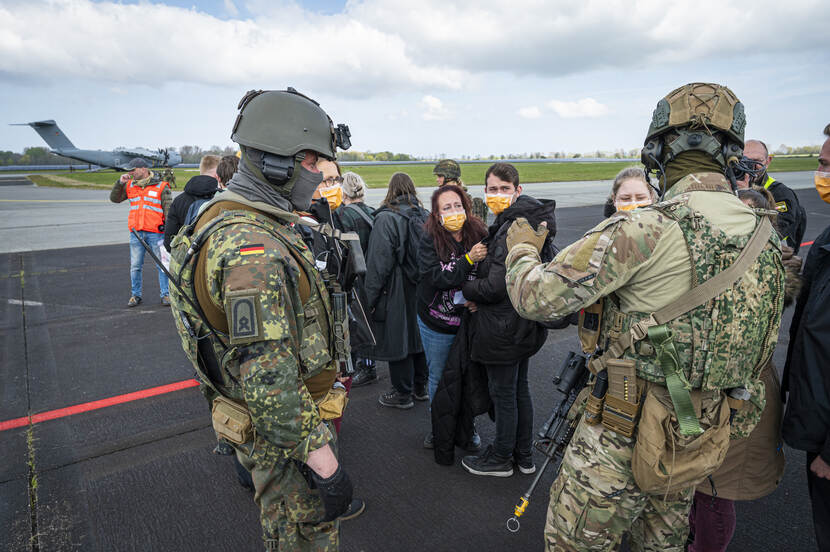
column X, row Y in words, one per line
column 427, row 78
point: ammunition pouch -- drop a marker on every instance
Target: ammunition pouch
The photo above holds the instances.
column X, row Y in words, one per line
column 622, row 401
column 231, row 421
column 333, row 404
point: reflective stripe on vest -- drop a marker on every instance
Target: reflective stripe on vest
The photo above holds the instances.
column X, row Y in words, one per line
column 769, row 182
column 146, row 213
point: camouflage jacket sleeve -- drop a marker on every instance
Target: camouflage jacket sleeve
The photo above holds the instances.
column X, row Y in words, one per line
column 250, row 276
column 602, row 261
column 166, row 200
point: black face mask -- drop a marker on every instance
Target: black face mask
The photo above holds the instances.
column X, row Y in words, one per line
column 304, row 185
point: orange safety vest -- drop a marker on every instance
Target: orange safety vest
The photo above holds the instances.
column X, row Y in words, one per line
column 145, row 206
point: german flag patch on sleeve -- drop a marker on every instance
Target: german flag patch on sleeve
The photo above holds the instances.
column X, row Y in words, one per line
column 252, row 249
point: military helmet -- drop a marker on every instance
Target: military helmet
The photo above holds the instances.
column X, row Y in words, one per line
column 447, row 168
column 692, row 114
column 284, row 122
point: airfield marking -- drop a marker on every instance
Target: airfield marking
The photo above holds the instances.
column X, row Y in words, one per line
column 55, row 201
column 95, row 405
column 27, row 303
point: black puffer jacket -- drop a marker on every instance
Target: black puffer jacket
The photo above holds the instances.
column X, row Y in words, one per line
column 198, row 187
column 390, row 296
column 502, row 336
column 807, row 372
column 461, row 396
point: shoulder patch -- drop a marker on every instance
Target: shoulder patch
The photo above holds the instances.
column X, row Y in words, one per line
column 252, row 249
column 781, row 206
column 244, row 314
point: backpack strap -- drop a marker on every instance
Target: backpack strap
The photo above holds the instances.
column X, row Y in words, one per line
column 362, row 213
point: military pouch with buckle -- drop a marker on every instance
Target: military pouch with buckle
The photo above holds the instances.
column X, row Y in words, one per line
column 333, row 404
column 622, row 401
column 231, row 421
column 588, row 330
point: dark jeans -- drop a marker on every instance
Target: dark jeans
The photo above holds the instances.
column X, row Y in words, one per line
column 820, row 497
column 412, row 369
column 712, row 521
column 510, row 392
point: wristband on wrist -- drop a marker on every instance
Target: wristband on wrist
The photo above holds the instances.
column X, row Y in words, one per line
column 469, row 260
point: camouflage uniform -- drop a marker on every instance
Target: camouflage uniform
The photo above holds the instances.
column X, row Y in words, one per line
column 249, row 280
column 647, row 259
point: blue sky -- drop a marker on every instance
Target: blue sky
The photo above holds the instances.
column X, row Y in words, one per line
column 428, row 78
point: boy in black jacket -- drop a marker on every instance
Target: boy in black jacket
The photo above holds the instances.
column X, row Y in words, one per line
column 504, row 342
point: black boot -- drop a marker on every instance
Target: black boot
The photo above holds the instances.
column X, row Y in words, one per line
column 366, row 374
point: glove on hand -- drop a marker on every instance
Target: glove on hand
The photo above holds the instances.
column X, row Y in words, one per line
column 522, row 232
column 335, row 492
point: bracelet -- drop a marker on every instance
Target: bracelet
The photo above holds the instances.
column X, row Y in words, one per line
column 469, row 260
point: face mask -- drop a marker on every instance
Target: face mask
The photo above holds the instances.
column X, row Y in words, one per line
column 631, row 205
column 453, row 222
column 498, row 202
column 822, row 182
column 304, row 187
column 334, row 195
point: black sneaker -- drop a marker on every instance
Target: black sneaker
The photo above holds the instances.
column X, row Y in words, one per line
column 421, row 393
column 134, row 301
column 364, row 376
column 474, row 444
column 488, row 464
column 428, row 441
column 393, row 399
column 355, row 509
column 525, row 464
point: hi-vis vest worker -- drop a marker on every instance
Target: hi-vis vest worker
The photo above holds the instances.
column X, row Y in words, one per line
column 255, row 319
column 146, row 213
column 691, row 293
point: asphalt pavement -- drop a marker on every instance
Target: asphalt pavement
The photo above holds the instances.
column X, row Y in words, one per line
column 140, row 475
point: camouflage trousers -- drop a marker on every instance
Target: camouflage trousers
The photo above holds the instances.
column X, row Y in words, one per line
column 289, row 509
column 595, row 500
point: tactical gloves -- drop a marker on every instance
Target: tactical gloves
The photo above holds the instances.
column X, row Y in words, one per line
column 335, row 492
column 522, row 232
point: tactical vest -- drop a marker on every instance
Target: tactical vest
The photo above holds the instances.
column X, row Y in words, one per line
column 146, row 213
column 306, row 290
column 725, row 342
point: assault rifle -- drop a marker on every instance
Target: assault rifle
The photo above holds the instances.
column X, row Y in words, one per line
column 557, row 431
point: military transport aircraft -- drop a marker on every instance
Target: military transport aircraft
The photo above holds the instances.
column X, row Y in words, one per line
column 118, row 158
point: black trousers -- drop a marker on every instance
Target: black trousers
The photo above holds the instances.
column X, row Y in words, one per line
column 510, row 392
column 411, row 370
column 820, row 497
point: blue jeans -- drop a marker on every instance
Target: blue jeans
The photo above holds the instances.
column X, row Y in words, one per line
column 154, row 240
column 437, row 349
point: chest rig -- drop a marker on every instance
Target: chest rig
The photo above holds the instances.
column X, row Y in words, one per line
column 720, row 334
column 203, row 327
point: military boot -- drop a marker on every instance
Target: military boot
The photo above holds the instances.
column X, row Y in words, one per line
column 366, row 374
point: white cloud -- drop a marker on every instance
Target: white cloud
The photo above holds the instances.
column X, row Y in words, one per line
column 118, row 90
column 586, row 107
column 434, row 109
column 531, row 112
column 230, row 8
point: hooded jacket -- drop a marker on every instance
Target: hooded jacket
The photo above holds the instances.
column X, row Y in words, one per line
column 502, row 336
column 198, row 187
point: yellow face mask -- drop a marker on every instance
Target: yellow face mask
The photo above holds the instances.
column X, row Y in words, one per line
column 498, row 202
column 453, row 222
column 334, row 195
column 630, row 206
column 822, row 182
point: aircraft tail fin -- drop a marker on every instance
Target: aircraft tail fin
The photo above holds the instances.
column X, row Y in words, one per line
column 52, row 134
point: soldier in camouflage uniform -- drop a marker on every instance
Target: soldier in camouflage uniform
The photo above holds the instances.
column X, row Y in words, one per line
column 448, row 171
column 638, row 262
column 255, row 319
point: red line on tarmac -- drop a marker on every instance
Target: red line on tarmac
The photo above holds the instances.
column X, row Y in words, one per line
column 95, row 405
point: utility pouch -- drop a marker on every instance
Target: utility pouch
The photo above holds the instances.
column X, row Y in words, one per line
column 589, row 322
column 333, row 404
column 622, row 401
column 231, row 421
column 667, row 461
column 596, row 400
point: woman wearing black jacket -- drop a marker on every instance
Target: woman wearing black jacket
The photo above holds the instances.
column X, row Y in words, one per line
column 504, row 342
column 390, row 294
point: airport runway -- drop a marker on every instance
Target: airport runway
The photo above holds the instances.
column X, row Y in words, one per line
column 139, row 476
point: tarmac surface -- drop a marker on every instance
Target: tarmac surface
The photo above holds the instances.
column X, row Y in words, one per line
column 140, row 475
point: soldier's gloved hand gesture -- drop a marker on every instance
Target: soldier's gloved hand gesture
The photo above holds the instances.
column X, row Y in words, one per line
column 522, row 232
column 335, row 492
